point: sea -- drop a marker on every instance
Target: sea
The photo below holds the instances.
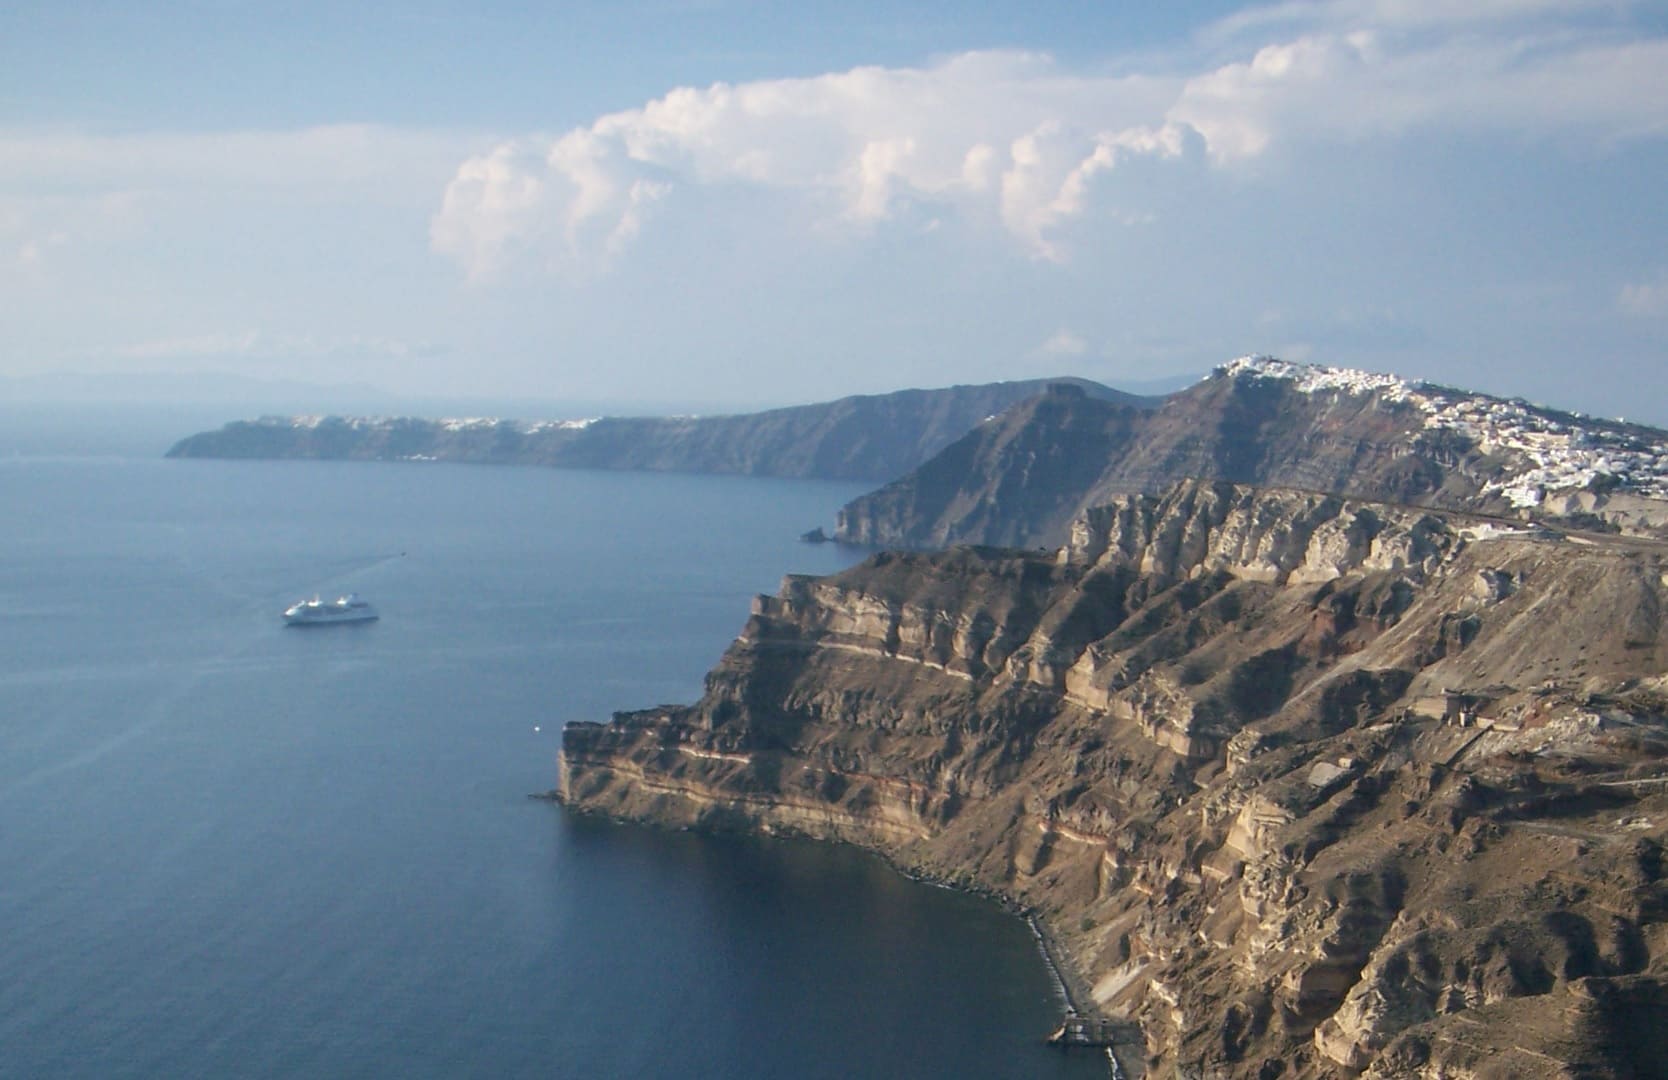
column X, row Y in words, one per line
column 231, row 848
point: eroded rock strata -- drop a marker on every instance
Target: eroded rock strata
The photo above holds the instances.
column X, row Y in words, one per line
column 1307, row 786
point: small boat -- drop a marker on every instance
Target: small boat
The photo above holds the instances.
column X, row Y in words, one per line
column 349, row 608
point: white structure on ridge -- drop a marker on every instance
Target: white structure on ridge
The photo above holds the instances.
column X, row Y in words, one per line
column 1553, row 451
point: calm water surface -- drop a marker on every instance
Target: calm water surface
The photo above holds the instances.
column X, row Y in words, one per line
column 228, row 848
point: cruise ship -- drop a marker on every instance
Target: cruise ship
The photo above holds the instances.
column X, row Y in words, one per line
column 349, row 608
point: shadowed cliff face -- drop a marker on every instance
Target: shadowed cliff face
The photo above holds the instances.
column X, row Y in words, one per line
column 1017, row 477
column 1023, row 477
column 1208, row 739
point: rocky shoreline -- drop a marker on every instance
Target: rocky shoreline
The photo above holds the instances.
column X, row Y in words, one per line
column 1063, row 967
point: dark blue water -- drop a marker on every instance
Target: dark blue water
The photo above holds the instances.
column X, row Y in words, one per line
column 228, row 848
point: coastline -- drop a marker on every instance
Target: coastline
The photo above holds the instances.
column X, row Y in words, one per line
column 1061, row 964
column 1243, row 747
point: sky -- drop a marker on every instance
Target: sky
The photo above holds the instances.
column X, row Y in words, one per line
column 723, row 204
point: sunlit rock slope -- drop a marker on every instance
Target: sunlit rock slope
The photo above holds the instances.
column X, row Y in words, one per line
column 1308, row 785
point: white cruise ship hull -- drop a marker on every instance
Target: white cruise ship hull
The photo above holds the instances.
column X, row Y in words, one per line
column 316, row 612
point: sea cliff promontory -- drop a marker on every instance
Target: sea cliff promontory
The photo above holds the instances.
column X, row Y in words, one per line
column 1021, row 478
column 1306, row 784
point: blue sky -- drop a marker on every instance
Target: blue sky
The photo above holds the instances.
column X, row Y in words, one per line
column 738, row 204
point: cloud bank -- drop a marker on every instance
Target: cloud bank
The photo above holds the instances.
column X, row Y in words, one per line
column 1016, row 142
column 1005, row 135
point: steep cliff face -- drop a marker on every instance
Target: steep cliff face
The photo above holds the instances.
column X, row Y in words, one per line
column 875, row 437
column 1017, row 477
column 1306, row 784
column 1260, row 421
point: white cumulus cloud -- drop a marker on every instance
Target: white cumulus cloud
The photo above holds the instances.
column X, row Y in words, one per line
column 1364, row 83
column 1064, row 343
column 1018, row 141
column 1006, row 135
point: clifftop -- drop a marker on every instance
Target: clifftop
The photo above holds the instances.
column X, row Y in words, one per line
column 1558, row 451
column 1021, row 478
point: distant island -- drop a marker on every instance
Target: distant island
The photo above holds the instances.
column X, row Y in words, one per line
column 870, row 437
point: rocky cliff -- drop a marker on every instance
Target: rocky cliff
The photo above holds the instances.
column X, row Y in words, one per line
column 1307, row 785
column 1022, row 477
column 875, row 437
